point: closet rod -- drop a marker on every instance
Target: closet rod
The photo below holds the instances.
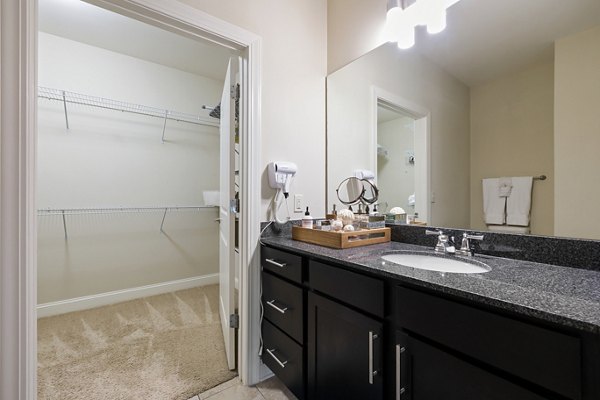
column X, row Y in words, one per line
column 116, row 210
column 65, row 97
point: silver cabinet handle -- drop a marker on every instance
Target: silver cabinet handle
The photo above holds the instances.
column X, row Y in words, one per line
column 271, row 261
column 272, row 304
column 372, row 373
column 282, row 363
column 399, row 389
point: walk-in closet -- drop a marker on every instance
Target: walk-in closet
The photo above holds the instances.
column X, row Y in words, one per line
column 128, row 191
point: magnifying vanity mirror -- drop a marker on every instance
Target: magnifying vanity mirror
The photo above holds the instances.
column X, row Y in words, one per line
column 353, row 191
column 505, row 95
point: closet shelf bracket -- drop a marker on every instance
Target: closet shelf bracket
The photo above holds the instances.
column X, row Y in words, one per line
column 64, row 98
column 165, row 127
column 162, row 223
column 65, row 225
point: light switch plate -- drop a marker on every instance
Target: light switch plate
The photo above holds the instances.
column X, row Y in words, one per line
column 298, row 203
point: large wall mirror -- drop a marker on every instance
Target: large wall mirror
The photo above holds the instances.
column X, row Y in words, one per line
column 493, row 124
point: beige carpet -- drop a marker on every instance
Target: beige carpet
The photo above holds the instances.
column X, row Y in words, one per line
column 166, row 347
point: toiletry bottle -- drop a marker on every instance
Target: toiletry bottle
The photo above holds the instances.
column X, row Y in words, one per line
column 332, row 215
column 307, row 221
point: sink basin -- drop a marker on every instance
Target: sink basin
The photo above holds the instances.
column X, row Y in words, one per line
column 437, row 263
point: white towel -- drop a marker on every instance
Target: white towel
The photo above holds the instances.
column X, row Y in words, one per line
column 504, row 187
column 493, row 205
column 524, row 230
column 518, row 204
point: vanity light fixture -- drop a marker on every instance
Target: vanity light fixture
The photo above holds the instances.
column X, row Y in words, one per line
column 403, row 16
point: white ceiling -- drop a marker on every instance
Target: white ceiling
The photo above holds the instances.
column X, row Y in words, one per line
column 83, row 22
column 488, row 38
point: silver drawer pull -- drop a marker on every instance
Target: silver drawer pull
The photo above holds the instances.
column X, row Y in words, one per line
column 399, row 389
column 272, row 304
column 271, row 261
column 282, row 363
column 372, row 373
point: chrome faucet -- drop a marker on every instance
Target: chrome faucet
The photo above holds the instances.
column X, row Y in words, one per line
column 465, row 247
column 444, row 245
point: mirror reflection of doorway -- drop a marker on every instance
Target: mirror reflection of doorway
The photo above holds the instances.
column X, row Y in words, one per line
column 401, row 132
column 395, row 158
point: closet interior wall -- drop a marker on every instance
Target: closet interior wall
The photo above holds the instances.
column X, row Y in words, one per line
column 115, row 159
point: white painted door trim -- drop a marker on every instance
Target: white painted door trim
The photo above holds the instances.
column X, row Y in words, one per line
column 422, row 118
column 18, row 247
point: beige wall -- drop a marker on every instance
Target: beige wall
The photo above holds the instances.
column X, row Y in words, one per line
column 577, row 135
column 419, row 81
column 512, row 135
column 294, row 62
column 354, row 27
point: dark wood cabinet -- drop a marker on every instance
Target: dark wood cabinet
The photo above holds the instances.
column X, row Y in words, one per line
column 425, row 372
column 345, row 352
column 333, row 332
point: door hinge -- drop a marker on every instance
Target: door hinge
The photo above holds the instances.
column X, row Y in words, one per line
column 234, row 205
column 233, row 91
column 234, row 321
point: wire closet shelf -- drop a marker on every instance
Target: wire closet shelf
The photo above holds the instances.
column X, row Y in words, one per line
column 67, row 97
column 63, row 213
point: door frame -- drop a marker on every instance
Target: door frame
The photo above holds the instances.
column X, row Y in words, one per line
column 18, row 214
column 422, row 118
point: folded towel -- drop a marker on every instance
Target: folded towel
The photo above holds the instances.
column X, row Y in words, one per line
column 524, row 230
column 493, row 205
column 504, row 187
column 518, row 204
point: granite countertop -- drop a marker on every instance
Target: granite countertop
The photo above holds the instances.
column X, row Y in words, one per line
column 561, row 295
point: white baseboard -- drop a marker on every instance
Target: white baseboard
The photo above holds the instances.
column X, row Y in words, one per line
column 103, row 299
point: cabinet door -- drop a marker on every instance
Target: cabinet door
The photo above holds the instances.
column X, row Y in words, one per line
column 424, row 372
column 344, row 352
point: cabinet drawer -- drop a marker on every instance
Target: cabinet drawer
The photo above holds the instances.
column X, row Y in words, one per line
column 282, row 263
column 282, row 305
column 547, row 358
column 351, row 288
column 284, row 357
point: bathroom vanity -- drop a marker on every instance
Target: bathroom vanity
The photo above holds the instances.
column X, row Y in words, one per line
column 346, row 324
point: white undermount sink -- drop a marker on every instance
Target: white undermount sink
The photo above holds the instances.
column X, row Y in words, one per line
column 437, row 263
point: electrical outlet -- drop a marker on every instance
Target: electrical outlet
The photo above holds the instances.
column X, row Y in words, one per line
column 298, row 203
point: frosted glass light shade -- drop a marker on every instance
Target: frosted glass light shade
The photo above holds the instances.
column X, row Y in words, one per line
column 393, row 23
column 406, row 36
column 435, row 16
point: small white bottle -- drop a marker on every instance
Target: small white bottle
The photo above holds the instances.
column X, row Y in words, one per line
column 307, row 221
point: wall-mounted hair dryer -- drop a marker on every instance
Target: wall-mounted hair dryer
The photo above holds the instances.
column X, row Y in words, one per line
column 281, row 174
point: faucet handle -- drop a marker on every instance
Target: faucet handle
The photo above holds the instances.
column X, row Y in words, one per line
column 473, row 237
column 465, row 247
column 436, row 233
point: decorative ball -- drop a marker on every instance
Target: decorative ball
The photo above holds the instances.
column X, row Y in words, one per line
column 337, row 225
column 397, row 210
column 349, row 228
column 346, row 216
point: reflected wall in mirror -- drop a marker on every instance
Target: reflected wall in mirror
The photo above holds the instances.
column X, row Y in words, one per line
column 498, row 95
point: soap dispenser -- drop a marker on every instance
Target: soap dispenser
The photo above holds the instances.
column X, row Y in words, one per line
column 307, row 221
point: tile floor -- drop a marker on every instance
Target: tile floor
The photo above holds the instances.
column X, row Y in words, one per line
column 271, row 389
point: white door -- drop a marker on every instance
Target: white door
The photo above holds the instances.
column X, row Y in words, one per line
column 227, row 215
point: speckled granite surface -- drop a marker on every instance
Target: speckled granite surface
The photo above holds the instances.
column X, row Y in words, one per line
column 568, row 252
column 560, row 295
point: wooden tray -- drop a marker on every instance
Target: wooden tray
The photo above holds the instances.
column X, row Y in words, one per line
column 341, row 240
